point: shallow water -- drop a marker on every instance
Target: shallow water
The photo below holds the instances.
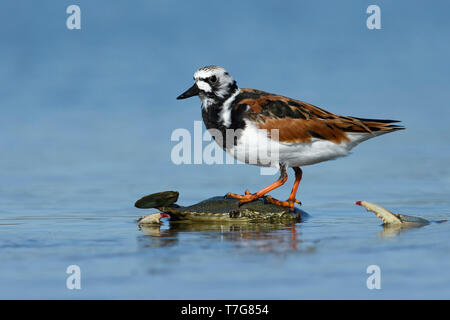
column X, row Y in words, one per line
column 85, row 131
column 325, row 256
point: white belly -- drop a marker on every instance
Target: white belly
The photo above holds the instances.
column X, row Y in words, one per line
column 255, row 147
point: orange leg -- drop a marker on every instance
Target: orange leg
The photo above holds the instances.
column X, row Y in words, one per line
column 291, row 201
column 249, row 197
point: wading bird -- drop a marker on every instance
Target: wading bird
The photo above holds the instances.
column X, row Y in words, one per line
column 306, row 134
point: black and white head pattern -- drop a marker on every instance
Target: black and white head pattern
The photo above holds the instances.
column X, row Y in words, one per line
column 215, row 85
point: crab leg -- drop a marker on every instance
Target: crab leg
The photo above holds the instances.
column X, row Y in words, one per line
column 385, row 215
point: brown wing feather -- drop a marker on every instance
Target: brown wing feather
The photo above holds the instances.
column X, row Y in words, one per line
column 299, row 121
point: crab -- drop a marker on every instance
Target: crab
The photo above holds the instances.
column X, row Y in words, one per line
column 218, row 209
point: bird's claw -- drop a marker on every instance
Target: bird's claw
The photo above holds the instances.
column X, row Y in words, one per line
column 290, row 203
column 243, row 198
column 249, row 197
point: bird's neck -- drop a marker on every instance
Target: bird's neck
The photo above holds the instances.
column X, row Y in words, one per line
column 218, row 97
column 220, row 117
column 216, row 106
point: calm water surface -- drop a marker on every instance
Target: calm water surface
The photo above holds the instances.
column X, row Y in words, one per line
column 45, row 229
column 85, row 127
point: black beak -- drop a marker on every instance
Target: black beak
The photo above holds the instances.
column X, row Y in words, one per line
column 192, row 91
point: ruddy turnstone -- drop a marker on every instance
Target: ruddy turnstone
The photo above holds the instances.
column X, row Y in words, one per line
column 306, row 134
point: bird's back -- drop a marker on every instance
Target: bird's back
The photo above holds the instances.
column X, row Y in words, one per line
column 306, row 134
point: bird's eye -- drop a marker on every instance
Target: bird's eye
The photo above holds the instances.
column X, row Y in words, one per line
column 213, row 79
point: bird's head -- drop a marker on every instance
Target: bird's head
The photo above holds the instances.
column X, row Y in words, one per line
column 213, row 84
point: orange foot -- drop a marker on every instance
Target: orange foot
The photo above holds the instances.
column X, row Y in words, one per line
column 247, row 197
column 290, row 203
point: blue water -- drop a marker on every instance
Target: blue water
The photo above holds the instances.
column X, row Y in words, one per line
column 85, row 127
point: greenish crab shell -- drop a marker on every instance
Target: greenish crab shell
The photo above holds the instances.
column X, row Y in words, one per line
column 219, row 209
